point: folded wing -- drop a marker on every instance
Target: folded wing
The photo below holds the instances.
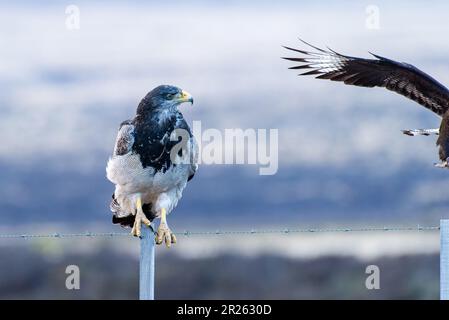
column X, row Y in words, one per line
column 125, row 139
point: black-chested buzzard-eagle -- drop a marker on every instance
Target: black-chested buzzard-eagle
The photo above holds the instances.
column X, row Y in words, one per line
column 152, row 163
column 399, row 77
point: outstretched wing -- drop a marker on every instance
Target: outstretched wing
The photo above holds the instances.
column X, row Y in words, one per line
column 399, row 77
column 125, row 138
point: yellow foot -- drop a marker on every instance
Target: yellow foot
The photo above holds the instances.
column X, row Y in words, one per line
column 140, row 218
column 165, row 234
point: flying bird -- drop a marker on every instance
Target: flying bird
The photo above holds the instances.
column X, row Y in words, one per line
column 154, row 157
column 400, row 77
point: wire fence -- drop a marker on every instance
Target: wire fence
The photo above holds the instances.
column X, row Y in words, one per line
column 186, row 233
column 147, row 246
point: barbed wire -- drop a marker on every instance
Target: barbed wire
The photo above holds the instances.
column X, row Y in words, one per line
column 187, row 233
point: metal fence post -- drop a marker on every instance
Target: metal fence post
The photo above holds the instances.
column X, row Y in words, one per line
column 444, row 259
column 147, row 252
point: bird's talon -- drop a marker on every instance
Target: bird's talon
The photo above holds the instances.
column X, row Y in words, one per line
column 138, row 221
column 167, row 240
column 135, row 233
column 158, row 238
column 164, row 234
column 133, row 230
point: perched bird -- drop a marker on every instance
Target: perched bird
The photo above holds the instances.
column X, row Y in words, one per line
column 399, row 77
column 154, row 157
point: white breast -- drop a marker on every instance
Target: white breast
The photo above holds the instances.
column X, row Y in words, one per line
column 127, row 171
column 162, row 189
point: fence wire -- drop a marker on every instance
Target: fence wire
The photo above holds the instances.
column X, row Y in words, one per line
column 186, row 233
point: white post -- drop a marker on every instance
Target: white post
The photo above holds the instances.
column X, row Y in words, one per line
column 444, row 259
column 147, row 251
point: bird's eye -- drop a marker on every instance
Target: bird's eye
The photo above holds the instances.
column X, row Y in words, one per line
column 170, row 96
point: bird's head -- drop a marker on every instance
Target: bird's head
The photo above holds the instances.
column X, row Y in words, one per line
column 166, row 97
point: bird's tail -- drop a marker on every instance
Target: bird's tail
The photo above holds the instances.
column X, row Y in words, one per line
column 126, row 219
column 421, row 132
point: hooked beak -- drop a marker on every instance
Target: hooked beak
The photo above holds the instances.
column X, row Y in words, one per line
column 185, row 97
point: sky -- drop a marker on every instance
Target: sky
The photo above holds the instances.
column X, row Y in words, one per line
column 65, row 90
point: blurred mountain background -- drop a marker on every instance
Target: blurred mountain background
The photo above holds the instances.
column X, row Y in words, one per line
column 342, row 158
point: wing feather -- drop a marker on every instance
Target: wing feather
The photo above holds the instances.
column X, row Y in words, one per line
column 399, row 77
column 125, row 139
column 194, row 151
